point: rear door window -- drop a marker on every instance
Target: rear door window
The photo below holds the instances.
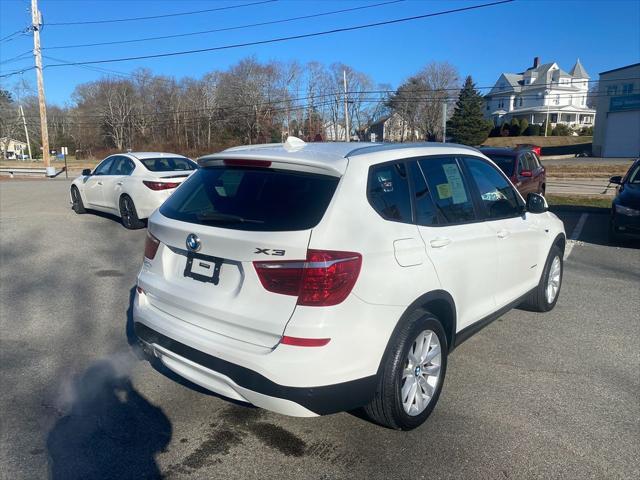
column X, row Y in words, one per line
column 450, row 191
column 122, row 166
column 388, row 192
column 257, row 199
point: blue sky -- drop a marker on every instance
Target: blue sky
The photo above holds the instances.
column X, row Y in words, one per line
column 485, row 42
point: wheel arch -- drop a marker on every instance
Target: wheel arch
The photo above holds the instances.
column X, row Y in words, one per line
column 560, row 241
column 438, row 302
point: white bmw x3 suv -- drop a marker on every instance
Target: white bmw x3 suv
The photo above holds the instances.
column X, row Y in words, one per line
column 130, row 185
column 309, row 279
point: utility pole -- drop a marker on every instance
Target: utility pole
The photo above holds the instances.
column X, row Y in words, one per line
column 26, row 132
column 346, row 107
column 36, row 22
column 444, row 121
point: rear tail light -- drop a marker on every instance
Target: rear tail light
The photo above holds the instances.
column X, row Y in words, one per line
column 325, row 278
column 160, row 185
column 151, row 245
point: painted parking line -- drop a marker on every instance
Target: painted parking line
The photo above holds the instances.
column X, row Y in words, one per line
column 575, row 235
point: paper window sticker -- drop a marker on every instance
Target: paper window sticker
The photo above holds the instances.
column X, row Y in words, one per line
column 444, row 191
column 458, row 195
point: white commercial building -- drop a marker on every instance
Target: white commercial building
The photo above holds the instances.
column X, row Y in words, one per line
column 617, row 128
column 542, row 93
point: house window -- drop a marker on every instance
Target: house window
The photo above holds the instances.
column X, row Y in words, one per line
column 557, row 100
column 612, row 90
column 520, row 101
column 554, row 118
column 570, row 99
column 627, row 89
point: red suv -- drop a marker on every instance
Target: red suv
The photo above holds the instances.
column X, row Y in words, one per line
column 522, row 166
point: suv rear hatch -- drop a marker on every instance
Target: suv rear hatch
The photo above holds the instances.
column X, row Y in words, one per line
column 211, row 230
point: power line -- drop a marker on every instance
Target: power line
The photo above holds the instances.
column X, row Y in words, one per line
column 134, row 19
column 288, row 38
column 226, row 29
column 17, row 57
column 17, row 72
column 12, row 36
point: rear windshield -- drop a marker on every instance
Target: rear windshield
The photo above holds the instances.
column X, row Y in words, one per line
column 258, row 199
column 504, row 162
column 165, row 164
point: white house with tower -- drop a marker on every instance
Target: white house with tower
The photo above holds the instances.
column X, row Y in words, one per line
column 543, row 92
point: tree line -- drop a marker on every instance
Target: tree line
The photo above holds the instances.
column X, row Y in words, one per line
column 251, row 102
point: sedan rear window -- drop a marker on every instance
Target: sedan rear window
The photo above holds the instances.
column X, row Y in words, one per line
column 257, row 199
column 504, row 162
column 168, row 164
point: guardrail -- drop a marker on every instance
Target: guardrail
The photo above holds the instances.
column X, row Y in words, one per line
column 28, row 171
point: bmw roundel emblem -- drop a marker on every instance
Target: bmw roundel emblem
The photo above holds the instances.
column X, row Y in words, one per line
column 193, row 242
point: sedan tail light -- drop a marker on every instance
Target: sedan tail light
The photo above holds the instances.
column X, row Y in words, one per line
column 325, row 278
column 160, row 185
column 151, row 245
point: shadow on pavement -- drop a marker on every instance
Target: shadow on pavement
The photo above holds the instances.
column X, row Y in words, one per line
column 110, row 430
column 595, row 228
column 109, row 216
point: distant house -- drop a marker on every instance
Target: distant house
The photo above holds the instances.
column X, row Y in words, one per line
column 391, row 128
column 12, row 148
column 333, row 132
column 541, row 93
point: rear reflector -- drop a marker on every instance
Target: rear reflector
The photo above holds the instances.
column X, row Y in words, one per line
column 325, row 278
column 160, row 185
column 304, row 342
column 151, row 245
column 247, row 163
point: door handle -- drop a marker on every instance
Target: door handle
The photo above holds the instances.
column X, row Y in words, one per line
column 503, row 233
column 119, row 183
column 440, row 242
column 99, row 183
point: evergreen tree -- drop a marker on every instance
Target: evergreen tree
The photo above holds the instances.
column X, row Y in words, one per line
column 467, row 124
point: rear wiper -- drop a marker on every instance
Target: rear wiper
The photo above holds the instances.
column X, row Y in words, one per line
column 224, row 218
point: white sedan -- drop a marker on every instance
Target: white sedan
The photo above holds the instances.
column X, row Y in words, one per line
column 130, row 185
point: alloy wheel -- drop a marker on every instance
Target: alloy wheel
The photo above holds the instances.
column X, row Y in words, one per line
column 421, row 373
column 553, row 281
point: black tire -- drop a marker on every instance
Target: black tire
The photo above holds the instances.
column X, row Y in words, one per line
column 76, row 201
column 537, row 301
column 386, row 408
column 128, row 214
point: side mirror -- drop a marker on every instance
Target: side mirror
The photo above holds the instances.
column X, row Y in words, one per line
column 616, row 179
column 86, row 172
column 526, row 173
column 536, row 203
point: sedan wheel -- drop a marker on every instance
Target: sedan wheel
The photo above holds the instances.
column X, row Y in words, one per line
column 128, row 214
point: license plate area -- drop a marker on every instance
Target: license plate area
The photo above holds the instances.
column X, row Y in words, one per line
column 203, row 268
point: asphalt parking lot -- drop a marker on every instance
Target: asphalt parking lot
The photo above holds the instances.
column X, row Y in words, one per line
column 552, row 395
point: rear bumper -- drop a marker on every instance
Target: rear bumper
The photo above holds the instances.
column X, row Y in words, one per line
column 241, row 383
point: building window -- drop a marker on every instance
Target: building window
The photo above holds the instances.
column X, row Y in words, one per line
column 627, row 89
column 554, row 118
column 570, row 99
column 612, row 90
column 520, row 101
column 557, row 100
